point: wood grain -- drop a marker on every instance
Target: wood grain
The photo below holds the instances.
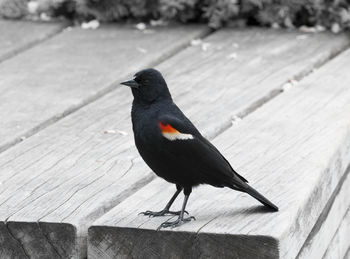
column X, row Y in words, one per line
column 340, row 245
column 322, row 234
column 72, row 173
column 294, row 149
column 233, row 87
column 74, row 68
column 17, row 36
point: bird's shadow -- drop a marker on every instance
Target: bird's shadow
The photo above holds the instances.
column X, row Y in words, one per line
column 257, row 209
column 239, row 212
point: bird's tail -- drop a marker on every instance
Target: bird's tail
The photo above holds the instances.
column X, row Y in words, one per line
column 259, row 197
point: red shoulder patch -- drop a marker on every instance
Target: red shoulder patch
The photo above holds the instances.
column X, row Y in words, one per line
column 166, row 128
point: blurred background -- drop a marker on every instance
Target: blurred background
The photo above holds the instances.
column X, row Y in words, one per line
column 320, row 14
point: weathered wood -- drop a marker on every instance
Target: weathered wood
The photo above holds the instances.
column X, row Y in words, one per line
column 72, row 172
column 72, row 69
column 328, row 223
column 265, row 61
column 16, row 36
column 294, row 150
column 347, row 255
column 340, row 245
column 47, row 240
column 12, row 249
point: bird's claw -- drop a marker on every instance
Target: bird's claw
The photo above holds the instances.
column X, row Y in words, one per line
column 176, row 223
column 160, row 213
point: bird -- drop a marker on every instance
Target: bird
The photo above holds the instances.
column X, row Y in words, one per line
column 174, row 148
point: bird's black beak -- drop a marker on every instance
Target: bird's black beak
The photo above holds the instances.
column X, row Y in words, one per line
column 132, row 83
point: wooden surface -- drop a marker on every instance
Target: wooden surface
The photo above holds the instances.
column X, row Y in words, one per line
column 74, row 68
column 58, row 181
column 266, row 60
column 18, row 36
column 329, row 223
column 72, row 172
column 347, row 255
column 294, row 149
column 340, row 245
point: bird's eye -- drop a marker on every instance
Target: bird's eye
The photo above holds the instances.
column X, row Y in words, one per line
column 135, row 78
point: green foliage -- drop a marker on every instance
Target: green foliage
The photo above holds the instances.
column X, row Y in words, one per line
column 330, row 14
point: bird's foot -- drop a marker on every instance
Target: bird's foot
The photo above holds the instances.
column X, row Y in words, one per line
column 176, row 223
column 160, row 213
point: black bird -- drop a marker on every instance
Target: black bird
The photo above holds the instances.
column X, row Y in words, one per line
column 173, row 147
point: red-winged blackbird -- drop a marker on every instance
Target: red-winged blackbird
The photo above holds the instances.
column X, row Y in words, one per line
column 173, row 147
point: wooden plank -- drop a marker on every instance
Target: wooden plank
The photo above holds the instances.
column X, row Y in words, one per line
column 71, row 173
column 239, row 85
column 13, row 248
column 340, row 245
column 17, row 36
column 347, row 255
column 66, row 72
column 294, row 149
column 328, row 223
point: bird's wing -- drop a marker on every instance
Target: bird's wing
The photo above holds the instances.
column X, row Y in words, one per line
column 173, row 128
column 182, row 139
column 217, row 151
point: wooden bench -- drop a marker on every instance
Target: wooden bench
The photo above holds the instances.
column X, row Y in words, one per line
column 68, row 174
column 44, row 84
column 62, row 74
column 19, row 36
column 295, row 149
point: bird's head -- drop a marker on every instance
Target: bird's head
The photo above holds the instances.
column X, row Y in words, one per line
column 148, row 85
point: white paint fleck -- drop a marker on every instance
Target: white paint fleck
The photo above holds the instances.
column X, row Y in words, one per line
column 196, row 42
column 235, row 119
column 335, row 28
column 94, row 24
column 140, row 26
column 120, row 132
column 142, row 50
column 302, row 37
column 232, row 56
column 287, row 86
column 147, row 31
column 32, row 7
column 157, row 22
column 205, row 46
column 45, row 17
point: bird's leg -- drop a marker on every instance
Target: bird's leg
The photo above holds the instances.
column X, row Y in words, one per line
column 180, row 220
column 166, row 210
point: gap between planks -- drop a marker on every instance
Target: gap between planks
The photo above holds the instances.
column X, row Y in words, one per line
column 298, row 77
column 347, row 254
column 339, row 246
column 34, row 43
column 245, row 112
column 279, row 90
column 111, row 87
column 286, row 236
column 329, row 221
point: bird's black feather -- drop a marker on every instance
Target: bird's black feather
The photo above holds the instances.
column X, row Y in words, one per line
column 187, row 162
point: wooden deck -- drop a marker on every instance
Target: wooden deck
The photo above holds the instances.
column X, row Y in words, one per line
column 275, row 102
